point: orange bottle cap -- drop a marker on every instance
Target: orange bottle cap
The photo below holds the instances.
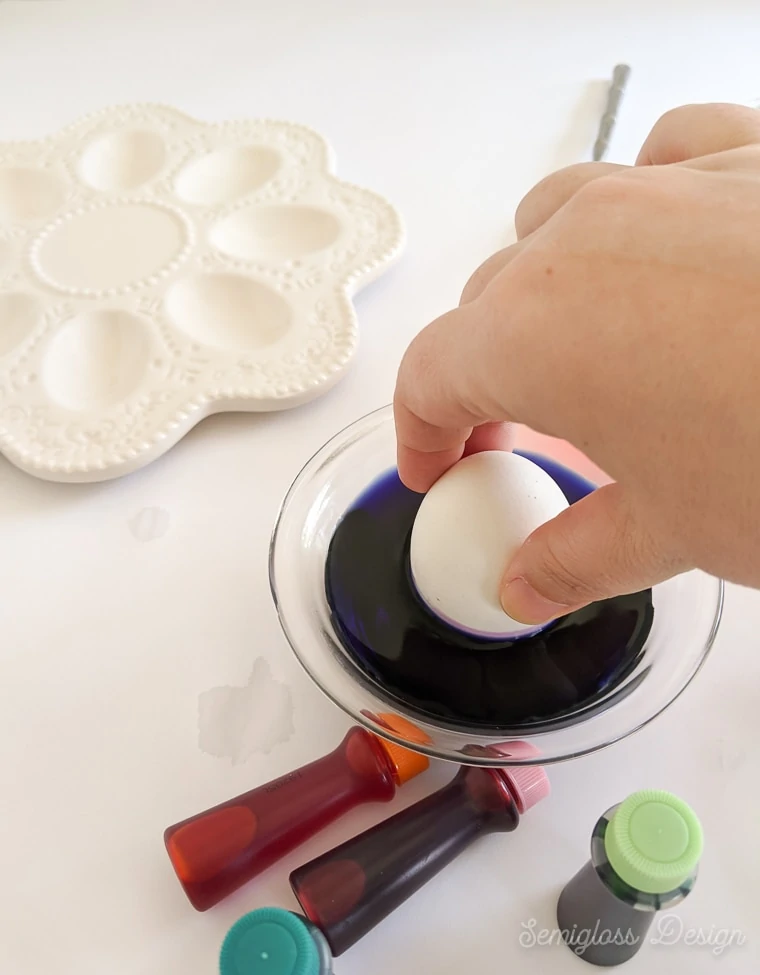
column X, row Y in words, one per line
column 406, row 762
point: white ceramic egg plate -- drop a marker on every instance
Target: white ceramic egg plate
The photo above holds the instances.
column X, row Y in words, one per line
column 155, row 269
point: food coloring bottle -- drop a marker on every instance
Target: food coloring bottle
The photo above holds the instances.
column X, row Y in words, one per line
column 272, row 941
column 644, row 857
column 347, row 891
column 216, row 851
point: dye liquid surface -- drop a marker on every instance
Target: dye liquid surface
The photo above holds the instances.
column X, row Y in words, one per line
column 538, row 681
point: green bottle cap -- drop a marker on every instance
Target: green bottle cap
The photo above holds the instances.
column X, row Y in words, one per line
column 653, row 841
column 269, row 941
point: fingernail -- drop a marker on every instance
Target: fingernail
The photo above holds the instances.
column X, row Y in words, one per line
column 521, row 601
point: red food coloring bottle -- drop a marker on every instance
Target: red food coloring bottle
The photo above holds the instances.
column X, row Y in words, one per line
column 349, row 890
column 219, row 850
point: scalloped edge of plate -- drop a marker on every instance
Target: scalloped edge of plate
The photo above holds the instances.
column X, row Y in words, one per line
column 83, row 465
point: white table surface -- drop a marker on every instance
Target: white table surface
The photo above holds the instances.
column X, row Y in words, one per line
column 133, row 610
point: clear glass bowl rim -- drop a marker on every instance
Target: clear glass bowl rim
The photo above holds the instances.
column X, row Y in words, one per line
column 340, row 443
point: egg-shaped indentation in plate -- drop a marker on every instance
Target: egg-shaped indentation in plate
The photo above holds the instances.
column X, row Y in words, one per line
column 19, row 315
column 226, row 174
column 275, row 233
column 110, row 247
column 228, row 311
column 96, row 359
column 122, row 160
column 28, row 194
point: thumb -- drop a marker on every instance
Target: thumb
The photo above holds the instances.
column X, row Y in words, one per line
column 599, row 547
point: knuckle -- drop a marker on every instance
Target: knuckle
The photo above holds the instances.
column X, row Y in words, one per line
column 477, row 282
column 692, row 131
column 641, row 548
column 487, row 272
column 619, row 554
column 554, row 191
column 539, row 203
column 616, row 191
column 675, row 116
column 416, row 366
column 672, row 125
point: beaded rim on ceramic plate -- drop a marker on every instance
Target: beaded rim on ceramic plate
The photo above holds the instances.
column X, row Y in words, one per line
column 202, row 266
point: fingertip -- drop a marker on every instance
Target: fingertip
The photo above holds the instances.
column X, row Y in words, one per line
column 419, row 471
column 523, row 603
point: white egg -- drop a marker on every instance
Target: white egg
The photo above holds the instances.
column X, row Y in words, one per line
column 468, row 527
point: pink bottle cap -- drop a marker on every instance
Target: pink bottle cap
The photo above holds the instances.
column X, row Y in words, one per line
column 530, row 784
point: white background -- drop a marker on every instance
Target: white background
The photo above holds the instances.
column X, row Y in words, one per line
column 117, row 621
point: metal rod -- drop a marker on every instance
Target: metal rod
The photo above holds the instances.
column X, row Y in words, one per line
column 620, row 77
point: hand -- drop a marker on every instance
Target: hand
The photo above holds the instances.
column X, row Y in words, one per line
column 625, row 320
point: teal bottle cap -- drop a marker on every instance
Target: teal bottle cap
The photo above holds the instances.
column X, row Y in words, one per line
column 653, row 841
column 270, row 941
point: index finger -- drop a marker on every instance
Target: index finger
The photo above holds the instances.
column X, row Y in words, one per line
column 443, row 394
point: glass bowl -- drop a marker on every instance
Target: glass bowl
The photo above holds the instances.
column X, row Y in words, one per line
column 687, row 614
